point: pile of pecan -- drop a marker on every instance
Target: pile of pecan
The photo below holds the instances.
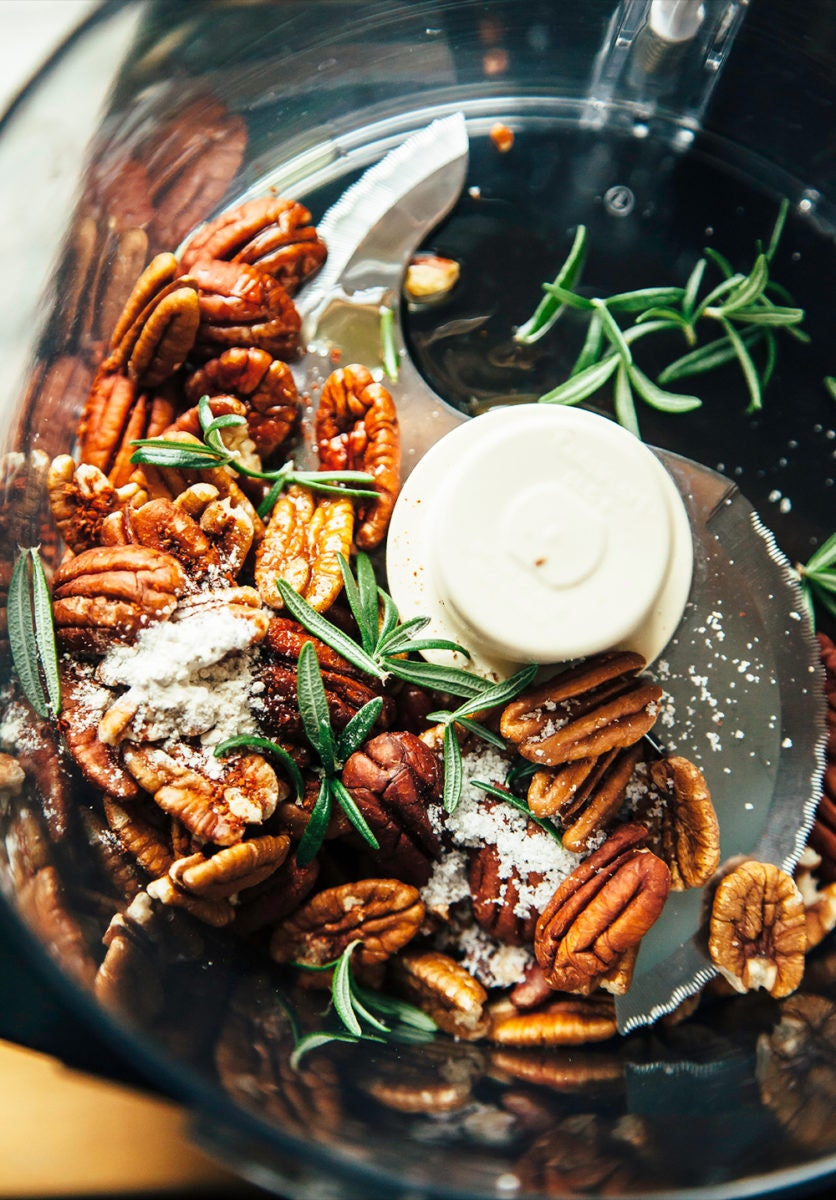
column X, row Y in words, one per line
column 151, row 548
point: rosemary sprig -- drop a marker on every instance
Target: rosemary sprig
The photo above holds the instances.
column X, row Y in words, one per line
column 381, row 644
column 332, row 750
column 520, row 806
column 818, row 578
column 492, row 697
column 211, row 452
column 388, row 352
column 361, row 1010
column 741, row 305
column 32, row 634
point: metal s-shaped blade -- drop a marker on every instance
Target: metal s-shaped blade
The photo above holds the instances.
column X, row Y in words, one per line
column 371, row 233
column 743, row 686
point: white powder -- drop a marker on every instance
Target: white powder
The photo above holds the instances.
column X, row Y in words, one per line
column 186, row 678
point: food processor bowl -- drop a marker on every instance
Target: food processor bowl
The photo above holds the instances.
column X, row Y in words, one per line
column 662, row 128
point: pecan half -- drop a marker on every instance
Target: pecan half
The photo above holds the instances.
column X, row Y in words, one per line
column 585, row 794
column 757, row 929
column 444, row 990
column 108, row 593
column 83, row 704
column 600, row 911
column 270, row 233
column 264, row 384
column 423, row 1079
column 563, row 1022
column 583, row 712
column 156, row 330
column 114, row 415
column 81, row 498
column 796, row 1070
column 241, row 306
column 393, row 779
column 304, row 537
column 683, row 828
column 495, row 895
column 146, row 844
column 819, row 898
column 383, row 914
column 231, row 870
column 215, row 809
column 357, row 430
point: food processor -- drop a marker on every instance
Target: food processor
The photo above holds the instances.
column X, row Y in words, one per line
column 660, row 126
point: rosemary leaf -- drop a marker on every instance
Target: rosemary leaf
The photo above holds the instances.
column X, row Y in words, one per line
column 392, row 1006
column 318, row 482
column 389, row 353
column 612, row 332
column 453, row 770
column 774, row 315
column 657, row 397
column 22, row 639
column 45, row 633
column 418, row 645
column 717, row 293
column 366, row 625
column 367, row 595
column 358, row 728
column 341, row 991
column 365, row 1014
column 269, row 502
column 692, row 287
column 706, row 358
column 822, row 558
column 316, row 828
column 549, row 308
column 323, row 629
column 520, row 806
column 313, row 1041
column 747, row 292
column 750, row 373
column 436, row 677
column 327, row 748
column 498, row 693
column 719, row 261
column 481, row 731
column 269, row 747
column 591, row 349
column 567, row 297
column 644, row 298
column 390, row 614
column 625, row 408
column 313, row 706
column 768, row 368
column 347, row 803
column 777, row 229
column 581, row 386
column 159, row 455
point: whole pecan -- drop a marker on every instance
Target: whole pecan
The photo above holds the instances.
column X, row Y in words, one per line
column 264, row 384
column 393, row 779
column 600, row 911
column 683, row 828
column 305, row 535
column 583, row 712
column 270, row 233
column 241, row 306
column 757, row 929
column 357, row 429
column 569, row 1021
column 586, row 794
column 156, row 330
column 218, row 809
column 108, row 593
column 443, row 989
column 383, row 914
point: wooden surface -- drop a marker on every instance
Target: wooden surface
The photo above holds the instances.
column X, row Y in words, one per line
column 63, row 1133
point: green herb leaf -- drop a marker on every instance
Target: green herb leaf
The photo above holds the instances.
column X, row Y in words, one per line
column 453, row 770
column 625, row 408
column 313, row 704
column 341, row 991
column 358, row 728
column 366, row 623
column 774, row 315
column 347, row 803
column 316, row 828
column 747, row 292
column 706, row 358
column 45, row 632
column 392, row 1006
column 777, row 229
column 520, row 806
column 481, row 731
column 22, row 637
column 323, row 629
column 692, row 287
column 644, row 298
column 768, row 368
column 159, row 455
column 750, row 373
column 498, row 693
column 822, row 558
column 436, row 677
column 581, row 386
column 365, row 1014
column 591, row 350
column 269, row 747
column 549, row 308
column 390, row 615
column 389, row 354
column 313, row 1041
column 569, row 298
column 612, row 332
column 657, row 397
